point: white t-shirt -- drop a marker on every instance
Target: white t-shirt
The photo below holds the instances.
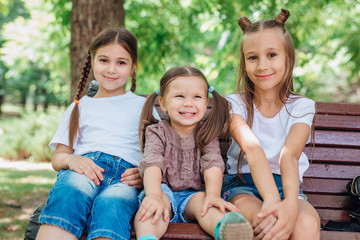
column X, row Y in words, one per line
column 109, row 125
column 271, row 132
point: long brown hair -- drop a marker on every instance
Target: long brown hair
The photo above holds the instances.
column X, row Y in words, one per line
column 214, row 125
column 109, row 35
column 245, row 87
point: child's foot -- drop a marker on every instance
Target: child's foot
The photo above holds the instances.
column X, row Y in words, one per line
column 233, row 226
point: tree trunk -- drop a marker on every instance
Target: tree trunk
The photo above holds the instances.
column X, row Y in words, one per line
column 88, row 18
column 2, row 99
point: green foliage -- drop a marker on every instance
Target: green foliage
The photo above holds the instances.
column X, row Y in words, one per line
column 28, row 136
column 205, row 34
column 36, row 45
column 201, row 33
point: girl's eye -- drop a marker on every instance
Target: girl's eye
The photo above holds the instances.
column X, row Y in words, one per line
column 197, row 97
column 121, row 62
column 252, row 58
column 179, row 96
column 272, row 55
column 103, row 60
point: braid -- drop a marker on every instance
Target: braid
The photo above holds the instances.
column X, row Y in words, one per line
column 74, row 117
column 133, row 82
column 84, row 77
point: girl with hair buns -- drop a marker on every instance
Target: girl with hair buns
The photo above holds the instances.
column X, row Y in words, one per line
column 270, row 125
column 182, row 164
column 97, row 148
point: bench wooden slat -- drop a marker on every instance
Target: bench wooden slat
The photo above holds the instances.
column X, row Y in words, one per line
column 337, row 122
column 189, row 231
column 338, row 108
column 333, row 155
column 333, row 214
column 329, row 201
column 332, row 171
column 337, row 139
column 331, row 235
column 324, row 186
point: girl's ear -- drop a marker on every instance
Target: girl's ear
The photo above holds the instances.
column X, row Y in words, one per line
column 162, row 104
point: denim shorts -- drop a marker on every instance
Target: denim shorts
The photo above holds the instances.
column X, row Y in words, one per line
column 178, row 201
column 233, row 185
column 76, row 203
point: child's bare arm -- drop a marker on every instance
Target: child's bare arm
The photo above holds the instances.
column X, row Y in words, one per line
column 153, row 203
column 289, row 166
column 213, row 181
column 65, row 159
column 255, row 155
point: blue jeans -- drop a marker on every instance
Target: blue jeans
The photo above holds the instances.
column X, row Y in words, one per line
column 75, row 202
column 178, row 201
column 233, row 185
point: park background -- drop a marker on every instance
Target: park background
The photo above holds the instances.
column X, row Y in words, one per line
column 43, row 44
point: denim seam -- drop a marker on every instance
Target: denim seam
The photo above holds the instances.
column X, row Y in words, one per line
column 101, row 234
column 61, row 219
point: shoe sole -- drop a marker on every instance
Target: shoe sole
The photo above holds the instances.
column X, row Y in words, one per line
column 235, row 227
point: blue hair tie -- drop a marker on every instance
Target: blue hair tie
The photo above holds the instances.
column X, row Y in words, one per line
column 211, row 89
column 157, row 91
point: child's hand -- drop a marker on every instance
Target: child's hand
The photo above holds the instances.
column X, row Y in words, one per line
column 132, row 178
column 153, row 205
column 213, row 200
column 86, row 166
column 286, row 214
column 263, row 225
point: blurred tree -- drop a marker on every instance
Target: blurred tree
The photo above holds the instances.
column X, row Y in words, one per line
column 9, row 10
column 88, row 18
column 201, row 33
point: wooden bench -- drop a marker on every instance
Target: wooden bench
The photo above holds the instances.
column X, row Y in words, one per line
column 335, row 160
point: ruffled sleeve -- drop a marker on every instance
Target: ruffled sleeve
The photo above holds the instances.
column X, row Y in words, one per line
column 154, row 149
column 212, row 157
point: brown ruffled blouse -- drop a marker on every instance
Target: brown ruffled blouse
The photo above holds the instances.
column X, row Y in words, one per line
column 181, row 162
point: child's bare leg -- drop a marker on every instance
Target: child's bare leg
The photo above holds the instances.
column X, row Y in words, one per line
column 52, row 232
column 248, row 205
column 147, row 228
column 307, row 223
column 227, row 225
column 193, row 213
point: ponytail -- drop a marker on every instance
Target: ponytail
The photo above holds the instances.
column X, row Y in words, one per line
column 74, row 117
column 146, row 118
column 216, row 123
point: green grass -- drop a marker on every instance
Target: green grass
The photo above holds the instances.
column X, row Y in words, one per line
column 21, row 192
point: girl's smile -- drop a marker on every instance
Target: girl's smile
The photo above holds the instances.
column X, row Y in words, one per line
column 265, row 76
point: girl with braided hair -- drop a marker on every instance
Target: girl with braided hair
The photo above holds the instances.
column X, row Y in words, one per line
column 270, row 125
column 97, row 148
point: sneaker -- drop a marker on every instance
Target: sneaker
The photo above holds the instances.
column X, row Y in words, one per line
column 234, row 226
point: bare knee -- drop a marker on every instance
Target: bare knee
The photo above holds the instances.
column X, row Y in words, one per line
column 308, row 220
column 249, row 206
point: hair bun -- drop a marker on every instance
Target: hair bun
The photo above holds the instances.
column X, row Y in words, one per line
column 282, row 16
column 244, row 22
